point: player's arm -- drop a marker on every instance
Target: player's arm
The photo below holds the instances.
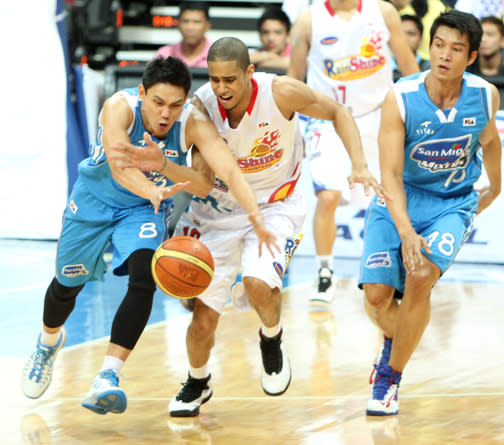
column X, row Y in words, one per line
column 269, row 59
column 398, row 42
column 300, row 45
column 391, row 148
column 116, row 118
column 492, row 152
column 202, row 133
column 291, row 96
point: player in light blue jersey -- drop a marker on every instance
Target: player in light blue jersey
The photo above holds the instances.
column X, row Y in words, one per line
column 435, row 124
column 130, row 209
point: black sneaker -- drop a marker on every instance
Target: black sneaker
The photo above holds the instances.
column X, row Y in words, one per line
column 193, row 394
column 325, row 290
column 276, row 371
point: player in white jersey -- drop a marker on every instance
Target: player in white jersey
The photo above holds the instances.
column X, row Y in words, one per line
column 127, row 208
column 342, row 47
column 438, row 123
column 255, row 113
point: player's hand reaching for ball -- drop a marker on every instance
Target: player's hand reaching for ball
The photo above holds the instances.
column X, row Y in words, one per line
column 264, row 235
column 412, row 243
column 147, row 158
column 159, row 194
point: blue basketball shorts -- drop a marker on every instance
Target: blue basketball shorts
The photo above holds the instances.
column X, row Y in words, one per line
column 445, row 222
column 90, row 226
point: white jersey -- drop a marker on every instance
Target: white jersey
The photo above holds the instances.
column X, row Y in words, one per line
column 350, row 61
column 265, row 144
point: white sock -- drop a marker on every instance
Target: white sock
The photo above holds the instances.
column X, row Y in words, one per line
column 325, row 260
column 270, row 332
column 49, row 339
column 111, row 362
column 199, row 373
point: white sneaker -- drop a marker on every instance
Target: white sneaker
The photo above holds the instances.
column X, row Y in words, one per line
column 105, row 395
column 188, row 400
column 325, row 289
column 37, row 373
column 276, row 370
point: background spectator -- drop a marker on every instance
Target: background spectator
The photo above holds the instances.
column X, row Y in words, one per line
column 194, row 23
column 413, row 28
column 274, row 32
column 428, row 11
column 489, row 61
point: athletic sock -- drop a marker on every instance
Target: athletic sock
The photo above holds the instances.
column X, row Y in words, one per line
column 111, row 362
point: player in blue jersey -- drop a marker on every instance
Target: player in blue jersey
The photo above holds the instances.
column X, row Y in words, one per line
column 436, row 122
column 130, row 209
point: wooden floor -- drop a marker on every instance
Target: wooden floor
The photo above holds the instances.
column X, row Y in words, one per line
column 452, row 390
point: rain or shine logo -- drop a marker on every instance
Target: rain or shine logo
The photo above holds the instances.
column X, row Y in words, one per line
column 264, row 153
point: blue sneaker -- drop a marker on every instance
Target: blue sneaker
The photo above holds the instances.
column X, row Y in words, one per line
column 105, row 395
column 384, row 400
column 37, row 373
column 381, row 360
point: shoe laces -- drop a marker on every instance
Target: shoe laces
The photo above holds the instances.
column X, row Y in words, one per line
column 40, row 359
column 325, row 279
column 192, row 389
column 384, row 380
column 272, row 353
column 111, row 376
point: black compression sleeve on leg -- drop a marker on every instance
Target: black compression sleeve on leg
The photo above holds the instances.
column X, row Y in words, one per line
column 59, row 303
column 134, row 311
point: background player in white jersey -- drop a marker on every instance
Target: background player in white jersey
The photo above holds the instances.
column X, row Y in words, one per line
column 130, row 210
column 342, row 46
column 436, row 122
column 255, row 113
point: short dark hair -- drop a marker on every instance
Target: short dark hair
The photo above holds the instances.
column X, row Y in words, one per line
column 228, row 49
column 274, row 13
column 189, row 5
column 463, row 22
column 497, row 21
column 415, row 19
column 167, row 70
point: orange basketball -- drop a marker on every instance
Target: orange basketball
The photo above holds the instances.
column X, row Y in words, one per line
column 182, row 267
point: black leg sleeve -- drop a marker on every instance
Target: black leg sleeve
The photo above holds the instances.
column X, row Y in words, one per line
column 134, row 311
column 59, row 303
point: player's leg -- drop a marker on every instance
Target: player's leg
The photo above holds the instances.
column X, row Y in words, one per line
column 79, row 259
column 262, row 279
column 200, row 340
column 381, row 273
column 225, row 245
column 137, row 233
column 329, row 166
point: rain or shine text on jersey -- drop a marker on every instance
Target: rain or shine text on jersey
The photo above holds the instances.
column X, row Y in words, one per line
column 350, row 60
column 94, row 171
column 267, row 147
column 441, row 146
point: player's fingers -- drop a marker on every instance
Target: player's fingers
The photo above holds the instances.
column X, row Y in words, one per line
column 351, row 182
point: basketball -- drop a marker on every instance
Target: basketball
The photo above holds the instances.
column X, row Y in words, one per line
column 182, row 267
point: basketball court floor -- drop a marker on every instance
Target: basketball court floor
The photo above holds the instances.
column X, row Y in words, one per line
column 452, row 390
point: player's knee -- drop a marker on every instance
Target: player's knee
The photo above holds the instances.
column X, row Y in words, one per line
column 377, row 294
column 139, row 270
column 59, row 293
column 328, row 200
column 258, row 291
column 424, row 276
column 204, row 321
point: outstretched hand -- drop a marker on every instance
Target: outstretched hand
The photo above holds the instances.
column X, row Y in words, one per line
column 263, row 234
column 148, row 158
column 159, row 194
column 363, row 176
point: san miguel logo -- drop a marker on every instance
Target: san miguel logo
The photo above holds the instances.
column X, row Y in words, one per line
column 366, row 63
column 264, row 153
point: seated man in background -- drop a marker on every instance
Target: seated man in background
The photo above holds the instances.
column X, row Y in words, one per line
column 413, row 28
column 274, row 31
column 194, row 23
column 489, row 61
